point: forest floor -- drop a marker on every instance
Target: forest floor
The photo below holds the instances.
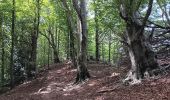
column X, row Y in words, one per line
column 105, row 84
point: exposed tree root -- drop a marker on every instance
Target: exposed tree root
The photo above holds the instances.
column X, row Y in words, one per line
column 131, row 77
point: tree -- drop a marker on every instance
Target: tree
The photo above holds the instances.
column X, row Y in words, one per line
column 12, row 46
column 79, row 60
column 82, row 15
column 71, row 33
column 51, row 39
column 2, row 46
column 97, row 31
column 34, row 37
column 110, row 46
column 141, row 55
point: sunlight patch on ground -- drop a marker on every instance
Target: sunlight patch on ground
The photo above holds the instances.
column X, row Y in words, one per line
column 114, row 74
column 26, row 82
column 59, row 71
column 54, row 84
column 165, row 80
column 152, row 83
column 73, row 70
column 50, row 88
column 99, row 98
column 64, row 68
column 50, row 77
column 71, row 87
column 40, row 78
column 43, row 90
column 92, row 83
column 66, row 94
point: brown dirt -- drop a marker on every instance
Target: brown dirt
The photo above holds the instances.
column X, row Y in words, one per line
column 105, row 84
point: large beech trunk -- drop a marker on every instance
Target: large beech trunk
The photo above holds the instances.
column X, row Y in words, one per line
column 79, row 60
column 141, row 55
column 140, row 52
column 82, row 66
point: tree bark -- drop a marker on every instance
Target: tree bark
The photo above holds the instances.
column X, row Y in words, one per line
column 31, row 71
column 32, row 68
column 97, row 36
column 56, row 57
column 141, row 55
column 55, row 45
column 44, row 52
column 109, row 46
column 48, row 55
column 81, row 61
column 103, row 58
column 82, row 67
column 12, row 47
column 58, row 42
column 71, row 29
column 68, row 45
column 3, row 50
column 3, row 62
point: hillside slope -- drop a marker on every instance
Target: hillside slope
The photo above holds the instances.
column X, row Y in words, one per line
column 105, row 84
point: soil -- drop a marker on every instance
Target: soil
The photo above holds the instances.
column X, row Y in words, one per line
column 105, row 84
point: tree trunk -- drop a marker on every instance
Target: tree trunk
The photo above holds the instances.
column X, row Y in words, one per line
column 56, row 57
column 68, row 51
column 2, row 46
column 32, row 68
column 71, row 29
column 103, row 51
column 72, row 48
column 44, row 53
column 55, row 45
column 82, row 67
column 48, row 55
column 109, row 46
column 141, row 55
column 34, row 37
column 58, row 42
column 97, row 36
column 3, row 62
column 12, row 47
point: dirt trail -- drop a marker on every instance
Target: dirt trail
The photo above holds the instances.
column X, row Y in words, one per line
column 104, row 84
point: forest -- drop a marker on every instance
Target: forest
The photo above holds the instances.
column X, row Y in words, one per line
column 84, row 49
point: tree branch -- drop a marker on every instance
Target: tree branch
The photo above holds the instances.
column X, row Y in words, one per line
column 148, row 12
column 47, row 38
column 157, row 26
column 77, row 8
column 163, row 33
